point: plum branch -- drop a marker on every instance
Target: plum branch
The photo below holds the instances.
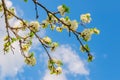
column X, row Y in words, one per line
column 33, row 27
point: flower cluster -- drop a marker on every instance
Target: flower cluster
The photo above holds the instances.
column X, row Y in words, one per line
column 62, row 9
column 34, row 26
column 87, row 33
column 54, row 45
column 85, row 18
column 46, row 40
column 30, row 60
column 73, row 24
column 54, row 66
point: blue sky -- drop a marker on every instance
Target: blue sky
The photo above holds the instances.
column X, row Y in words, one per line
column 105, row 47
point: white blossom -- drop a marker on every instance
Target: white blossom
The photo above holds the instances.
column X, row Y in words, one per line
column 47, row 40
column 58, row 70
column 74, row 25
column 86, row 34
column 85, row 18
column 59, row 29
column 45, row 24
column 34, row 26
column 62, row 9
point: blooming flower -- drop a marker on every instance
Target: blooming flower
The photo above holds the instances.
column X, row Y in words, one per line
column 66, row 21
column 30, row 60
column 54, row 46
column 34, row 26
column 85, row 18
column 54, row 66
column 58, row 70
column 59, row 29
column 86, row 34
column 74, row 25
column 45, row 24
column 47, row 40
column 62, row 9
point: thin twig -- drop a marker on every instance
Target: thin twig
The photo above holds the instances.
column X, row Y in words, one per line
column 36, row 10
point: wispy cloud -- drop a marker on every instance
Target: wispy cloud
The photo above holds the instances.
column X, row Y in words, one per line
column 10, row 64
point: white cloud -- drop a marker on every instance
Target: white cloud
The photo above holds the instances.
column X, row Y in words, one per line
column 73, row 64
column 10, row 63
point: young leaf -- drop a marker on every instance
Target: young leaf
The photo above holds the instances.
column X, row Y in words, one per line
column 25, row 0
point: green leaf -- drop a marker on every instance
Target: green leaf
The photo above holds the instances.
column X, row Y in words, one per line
column 66, row 8
column 31, row 54
column 87, row 47
column 67, row 18
column 13, row 39
column 31, row 34
column 25, row 0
